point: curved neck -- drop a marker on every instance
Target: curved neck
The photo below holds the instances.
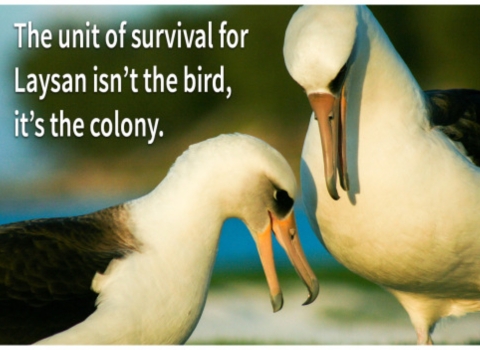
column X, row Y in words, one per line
column 182, row 224
column 182, row 218
column 388, row 89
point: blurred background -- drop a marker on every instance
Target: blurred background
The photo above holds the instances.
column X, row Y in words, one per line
column 47, row 177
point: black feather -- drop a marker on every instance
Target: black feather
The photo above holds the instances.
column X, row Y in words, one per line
column 456, row 113
column 47, row 267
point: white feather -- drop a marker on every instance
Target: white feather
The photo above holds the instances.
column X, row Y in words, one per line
column 410, row 219
column 157, row 295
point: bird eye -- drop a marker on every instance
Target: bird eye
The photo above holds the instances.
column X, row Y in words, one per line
column 283, row 201
column 336, row 84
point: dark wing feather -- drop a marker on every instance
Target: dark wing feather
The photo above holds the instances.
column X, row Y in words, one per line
column 456, row 113
column 47, row 267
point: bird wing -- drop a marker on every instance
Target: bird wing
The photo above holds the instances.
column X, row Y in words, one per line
column 47, row 267
column 456, row 113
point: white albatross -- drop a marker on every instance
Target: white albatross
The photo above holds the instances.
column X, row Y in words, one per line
column 150, row 259
column 407, row 161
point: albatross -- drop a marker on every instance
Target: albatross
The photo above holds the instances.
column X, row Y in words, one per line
column 138, row 272
column 390, row 173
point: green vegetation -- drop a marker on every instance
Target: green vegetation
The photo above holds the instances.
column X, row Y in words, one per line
column 334, row 274
column 438, row 43
column 261, row 85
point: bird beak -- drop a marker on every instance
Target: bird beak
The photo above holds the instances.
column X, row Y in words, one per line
column 331, row 114
column 287, row 235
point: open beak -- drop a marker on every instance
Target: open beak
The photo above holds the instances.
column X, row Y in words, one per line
column 287, row 235
column 331, row 114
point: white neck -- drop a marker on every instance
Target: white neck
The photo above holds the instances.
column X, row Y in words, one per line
column 157, row 296
column 384, row 79
column 185, row 242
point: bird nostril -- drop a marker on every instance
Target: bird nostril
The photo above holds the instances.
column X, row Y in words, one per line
column 292, row 232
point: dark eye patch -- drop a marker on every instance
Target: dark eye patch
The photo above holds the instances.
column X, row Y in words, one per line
column 336, row 84
column 283, row 202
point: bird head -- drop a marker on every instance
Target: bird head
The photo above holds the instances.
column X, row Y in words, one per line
column 318, row 47
column 265, row 187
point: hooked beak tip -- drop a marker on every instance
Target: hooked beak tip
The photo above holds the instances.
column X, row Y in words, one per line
column 345, row 182
column 314, row 290
column 332, row 188
column 277, row 302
